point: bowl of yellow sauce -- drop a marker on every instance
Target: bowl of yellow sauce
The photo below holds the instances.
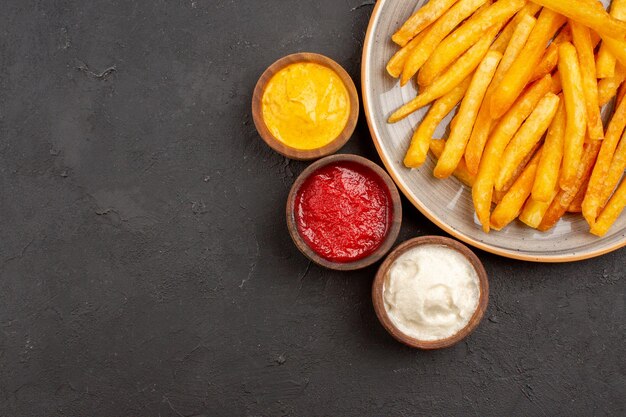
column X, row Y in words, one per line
column 305, row 106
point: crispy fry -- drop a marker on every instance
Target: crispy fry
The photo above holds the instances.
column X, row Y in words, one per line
column 483, row 124
column 482, row 191
column 588, row 13
column 436, row 33
column 396, row 63
column 620, row 94
column 564, row 198
column 550, row 162
column 534, row 210
column 513, row 201
column 551, row 56
column 617, row 48
column 576, row 114
column 576, row 205
column 522, row 69
column 526, row 138
column 607, row 87
column 416, row 155
column 465, row 36
column 500, row 44
column 615, row 171
column 605, row 64
column 460, row 70
column 593, row 199
column 427, row 14
column 584, row 48
column 611, row 212
column 461, row 172
column 455, row 146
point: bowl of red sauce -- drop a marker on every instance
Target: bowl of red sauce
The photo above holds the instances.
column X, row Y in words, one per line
column 344, row 212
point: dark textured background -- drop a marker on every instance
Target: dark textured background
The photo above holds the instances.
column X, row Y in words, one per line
column 145, row 265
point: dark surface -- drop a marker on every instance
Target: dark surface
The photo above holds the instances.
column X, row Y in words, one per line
column 145, row 264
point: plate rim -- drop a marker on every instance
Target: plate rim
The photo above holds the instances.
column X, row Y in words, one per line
column 367, row 110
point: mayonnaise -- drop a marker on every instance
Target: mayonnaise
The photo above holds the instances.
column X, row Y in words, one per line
column 431, row 292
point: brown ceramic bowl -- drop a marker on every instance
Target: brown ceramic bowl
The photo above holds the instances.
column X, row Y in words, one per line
column 279, row 146
column 392, row 232
column 379, row 303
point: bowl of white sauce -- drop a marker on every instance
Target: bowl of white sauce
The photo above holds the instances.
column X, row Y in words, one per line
column 431, row 292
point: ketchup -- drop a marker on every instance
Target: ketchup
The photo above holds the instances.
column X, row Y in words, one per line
column 343, row 211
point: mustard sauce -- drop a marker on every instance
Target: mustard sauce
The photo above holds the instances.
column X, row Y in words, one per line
column 306, row 105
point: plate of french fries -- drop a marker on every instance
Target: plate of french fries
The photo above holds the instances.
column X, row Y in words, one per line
column 503, row 121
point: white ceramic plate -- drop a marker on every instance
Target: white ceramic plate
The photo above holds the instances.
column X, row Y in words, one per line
column 447, row 202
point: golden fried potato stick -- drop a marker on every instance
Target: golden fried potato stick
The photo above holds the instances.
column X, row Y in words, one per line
column 564, row 198
column 621, row 91
column 484, row 122
column 617, row 48
column 460, row 70
column 615, row 172
column 576, row 205
column 588, row 13
column 436, row 33
column 611, row 212
column 482, row 191
column 461, row 172
column 550, row 163
column 505, row 36
column 605, row 64
column 576, row 126
column 416, row 155
column 593, row 199
column 421, row 19
column 459, row 135
column 465, row 36
column 584, row 48
column 522, row 69
column 397, row 61
column 534, row 210
column 607, row 87
column 526, row 138
column 511, row 205
column 551, row 56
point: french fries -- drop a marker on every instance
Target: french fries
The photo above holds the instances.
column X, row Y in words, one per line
column 513, row 201
column 462, row 68
column 482, row 127
column 576, row 206
column 397, row 61
column 522, row 69
column 564, row 198
column 482, row 191
column 550, row 163
column 427, row 14
column 501, row 43
column 550, row 57
column 593, row 199
column 576, row 114
column 459, row 135
column 605, row 65
column 461, row 172
column 584, row 48
column 590, row 14
column 465, row 36
column 526, row 138
column 416, row 155
column 534, row 210
column 513, row 81
column 615, row 172
column 611, row 212
column 607, row 87
column 435, row 34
